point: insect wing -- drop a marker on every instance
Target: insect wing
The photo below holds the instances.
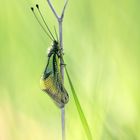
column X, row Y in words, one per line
column 51, row 82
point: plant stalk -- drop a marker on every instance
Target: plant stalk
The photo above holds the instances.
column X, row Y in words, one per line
column 60, row 21
column 62, row 73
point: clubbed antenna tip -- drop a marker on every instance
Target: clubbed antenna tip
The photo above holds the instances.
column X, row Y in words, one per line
column 37, row 6
column 32, row 8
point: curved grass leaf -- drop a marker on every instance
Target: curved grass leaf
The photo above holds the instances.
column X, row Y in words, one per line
column 80, row 111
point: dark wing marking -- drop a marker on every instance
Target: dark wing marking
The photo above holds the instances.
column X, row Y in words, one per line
column 46, row 75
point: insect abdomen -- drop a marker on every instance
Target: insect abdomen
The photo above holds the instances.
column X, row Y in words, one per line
column 48, row 85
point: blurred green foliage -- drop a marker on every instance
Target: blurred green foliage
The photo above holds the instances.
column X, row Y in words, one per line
column 102, row 52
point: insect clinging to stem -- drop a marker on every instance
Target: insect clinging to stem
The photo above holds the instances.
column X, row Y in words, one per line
column 51, row 80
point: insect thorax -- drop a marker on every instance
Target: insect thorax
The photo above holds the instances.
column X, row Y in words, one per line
column 55, row 49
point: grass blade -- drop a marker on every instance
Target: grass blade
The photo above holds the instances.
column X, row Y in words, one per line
column 80, row 111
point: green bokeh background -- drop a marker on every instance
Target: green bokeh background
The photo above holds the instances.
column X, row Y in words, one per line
column 102, row 52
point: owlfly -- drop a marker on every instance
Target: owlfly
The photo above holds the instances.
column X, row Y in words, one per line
column 51, row 80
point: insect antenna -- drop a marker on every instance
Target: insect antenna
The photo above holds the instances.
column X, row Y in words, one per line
column 41, row 24
column 37, row 6
column 56, row 33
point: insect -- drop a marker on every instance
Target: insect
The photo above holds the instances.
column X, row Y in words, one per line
column 51, row 80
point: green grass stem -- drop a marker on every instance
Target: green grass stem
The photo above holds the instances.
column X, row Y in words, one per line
column 80, row 111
